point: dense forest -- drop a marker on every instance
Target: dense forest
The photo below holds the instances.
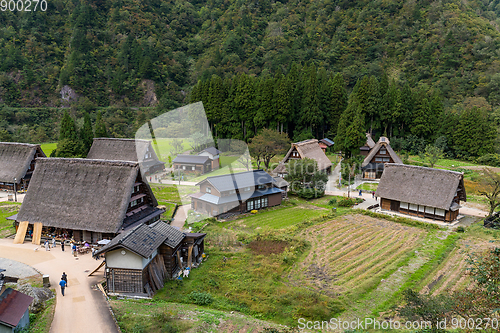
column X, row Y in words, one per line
column 414, row 70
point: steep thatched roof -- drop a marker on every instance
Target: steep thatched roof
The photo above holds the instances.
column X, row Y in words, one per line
column 382, row 142
column 420, row 185
column 306, row 149
column 133, row 150
column 369, row 141
column 15, row 160
column 80, row 194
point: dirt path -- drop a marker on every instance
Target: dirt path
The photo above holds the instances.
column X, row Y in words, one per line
column 83, row 308
column 180, row 217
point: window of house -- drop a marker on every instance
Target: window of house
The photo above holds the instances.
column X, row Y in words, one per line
column 378, row 159
column 257, row 204
column 183, row 167
column 383, row 151
column 261, row 187
column 209, row 190
column 413, row 207
column 249, row 205
column 386, row 159
column 264, row 202
column 136, row 188
column 193, row 168
column 403, row 205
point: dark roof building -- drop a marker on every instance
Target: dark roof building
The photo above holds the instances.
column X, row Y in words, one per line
column 14, row 310
column 377, row 156
column 213, row 153
column 133, row 150
column 17, row 161
column 325, row 144
column 304, row 149
column 236, row 193
column 139, row 260
column 89, row 197
column 421, row 191
column 193, row 163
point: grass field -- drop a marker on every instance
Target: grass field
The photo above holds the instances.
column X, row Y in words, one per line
column 368, row 186
column 338, row 262
column 6, row 210
column 48, row 148
column 445, row 162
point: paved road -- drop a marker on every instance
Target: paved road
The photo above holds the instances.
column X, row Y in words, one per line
column 82, row 309
column 4, row 196
column 180, row 217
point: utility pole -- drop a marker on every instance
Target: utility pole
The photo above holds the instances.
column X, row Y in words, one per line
column 15, row 190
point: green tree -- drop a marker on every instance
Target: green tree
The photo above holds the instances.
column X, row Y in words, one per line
column 422, row 119
column 267, row 144
column 490, row 188
column 86, row 135
column 100, row 127
column 431, row 155
column 68, row 128
column 351, row 129
column 282, row 101
column 338, row 103
column 305, row 179
column 311, row 116
column 474, row 135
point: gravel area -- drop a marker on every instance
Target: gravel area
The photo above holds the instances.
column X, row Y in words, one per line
column 17, row 269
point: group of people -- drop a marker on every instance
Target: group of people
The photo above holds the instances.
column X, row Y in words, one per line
column 47, row 244
column 64, row 282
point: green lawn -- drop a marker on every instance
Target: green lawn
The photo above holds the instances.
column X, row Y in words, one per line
column 448, row 163
column 368, row 186
column 166, row 194
column 6, row 210
column 279, row 217
column 48, row 148
column 165, row 146
column 169, row 210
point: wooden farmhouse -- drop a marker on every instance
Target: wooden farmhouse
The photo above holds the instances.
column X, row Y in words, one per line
column 282, row 185
column 236, row 193
column 304, row 149
column 376, row 157
column 17, row 162
column 140, row 260
column 85, row 199
column 325, row 144
column 423, row 192
column 133, row 150
column 192, row 164
column 14, row 311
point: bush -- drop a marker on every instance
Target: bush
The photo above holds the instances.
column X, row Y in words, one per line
column 489, row 159
column 346, row 202
column 460, row 229
column 332, row 202
column 200, row 298
column 255, row 211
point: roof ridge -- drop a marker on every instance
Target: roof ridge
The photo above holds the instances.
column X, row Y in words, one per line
column 423, row 167
column 237, row 173
column 121, row 139
column 33, row 145
column 87, row 161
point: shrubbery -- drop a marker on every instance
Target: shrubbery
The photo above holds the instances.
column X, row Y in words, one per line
column 489, row 159
column 200, row 298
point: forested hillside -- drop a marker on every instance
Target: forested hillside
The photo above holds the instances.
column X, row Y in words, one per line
column 428, row 57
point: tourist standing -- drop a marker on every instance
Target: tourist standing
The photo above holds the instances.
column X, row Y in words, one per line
column 47, row 246
column 62, row 245
column 54, row 242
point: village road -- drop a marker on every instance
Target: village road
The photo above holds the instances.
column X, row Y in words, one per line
column 83, row 308
column 180, row 217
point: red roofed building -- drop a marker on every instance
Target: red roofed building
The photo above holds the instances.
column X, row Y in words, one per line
column 14, row 310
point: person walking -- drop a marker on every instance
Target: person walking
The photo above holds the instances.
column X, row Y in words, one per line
column 359, row 192
column 54, row 242
column 373, row 194
column 62, row 246
column 65, row 278
column 47, row 246
column 62, row 283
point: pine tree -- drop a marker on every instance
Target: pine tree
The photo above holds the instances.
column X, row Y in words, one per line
column 338, row 103
column 86, row 135
column 244, row 103
column 421, row 126
column 68, row 128
column 351, row 129
column 311, row 116
column 215, row 101
column 100, row 127
column 265, row 110
column 282, row 101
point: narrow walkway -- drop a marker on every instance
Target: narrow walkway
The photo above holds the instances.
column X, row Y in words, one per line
column 180, row 217
column 82, row 309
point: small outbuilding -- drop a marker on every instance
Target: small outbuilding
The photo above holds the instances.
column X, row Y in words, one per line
column 17, row 163
column 14, row 311
column 214, row 155
column 420, row 191
column 325, row 144
column 141, row 259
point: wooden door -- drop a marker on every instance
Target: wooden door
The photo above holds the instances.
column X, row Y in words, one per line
column 395, row 205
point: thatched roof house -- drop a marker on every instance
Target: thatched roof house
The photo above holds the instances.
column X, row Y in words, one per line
column 304, row 149
column 377, row 157
column 17, row 161
column 133, row 150
column 420, row 191
column 92, row 198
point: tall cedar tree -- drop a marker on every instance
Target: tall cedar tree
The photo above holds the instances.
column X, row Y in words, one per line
column 244, row 103
column 338, row 103
column 215, row 102
column 86, row 135
column 282, row 101
column 351, row 132
column 100, row 127
column 68, row 145
column 68, row 128
column 311, row 117
column 265, row 110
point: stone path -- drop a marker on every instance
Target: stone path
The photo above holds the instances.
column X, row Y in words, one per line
column 83, row 308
